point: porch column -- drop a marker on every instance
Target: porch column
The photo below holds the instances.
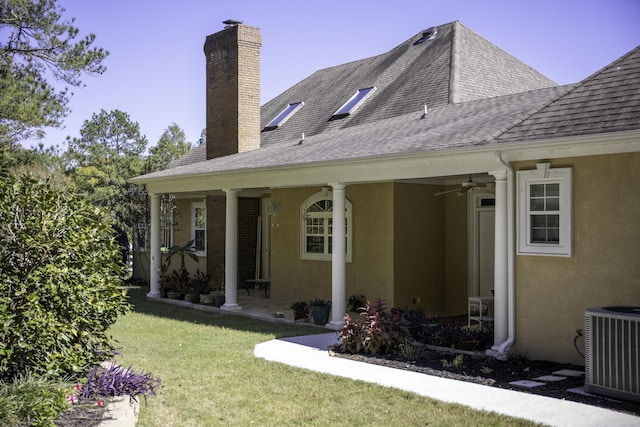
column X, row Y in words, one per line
column 500, row 272
column 338, row 258
column 154, row 268
column 231, row 252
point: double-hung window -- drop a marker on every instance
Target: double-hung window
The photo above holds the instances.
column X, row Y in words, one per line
column 199, row 227
column 544, row 211
column 316, row 241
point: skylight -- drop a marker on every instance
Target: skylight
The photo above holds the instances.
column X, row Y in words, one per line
column 353, row 103
column 428, row 34
column 283, row 116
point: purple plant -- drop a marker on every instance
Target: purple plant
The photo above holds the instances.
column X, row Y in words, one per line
column 115, row 380
column 377, row 331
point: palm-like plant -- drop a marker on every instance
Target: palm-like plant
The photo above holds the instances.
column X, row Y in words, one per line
column 182, row 275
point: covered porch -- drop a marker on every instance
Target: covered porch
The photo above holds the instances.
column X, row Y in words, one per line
column 404, row 171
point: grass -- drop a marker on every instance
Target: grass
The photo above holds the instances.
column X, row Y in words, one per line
column 210, row 377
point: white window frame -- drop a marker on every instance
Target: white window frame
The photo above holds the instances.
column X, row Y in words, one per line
column 166, row 220
column 543, row 174
column 141, row 231
column 194, row 207
column 304, row 215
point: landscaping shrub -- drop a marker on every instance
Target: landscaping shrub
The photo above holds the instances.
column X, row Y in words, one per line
column 60, row 280
column 27, row 400
column 378, row 330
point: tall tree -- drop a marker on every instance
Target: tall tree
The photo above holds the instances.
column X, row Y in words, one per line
column 203, row 137
column 35, row 45
column 171, row 146
column 109, row 151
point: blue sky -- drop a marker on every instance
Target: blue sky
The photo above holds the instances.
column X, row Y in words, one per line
column 156, row 69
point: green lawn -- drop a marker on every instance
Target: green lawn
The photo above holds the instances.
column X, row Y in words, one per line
column 210, row 377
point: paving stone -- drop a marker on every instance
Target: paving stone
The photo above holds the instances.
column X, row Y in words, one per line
column 550, row 378
column 527, row 383
column 569, row 373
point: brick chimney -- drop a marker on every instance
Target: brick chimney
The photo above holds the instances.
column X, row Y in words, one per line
column 233, row 89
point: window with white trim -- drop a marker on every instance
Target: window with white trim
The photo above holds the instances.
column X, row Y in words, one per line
column 141, row 233
column 544, row 211
column 199, row 227
column 316, row 227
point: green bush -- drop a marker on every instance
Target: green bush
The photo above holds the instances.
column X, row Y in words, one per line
column 60, row 280
column 31, row 401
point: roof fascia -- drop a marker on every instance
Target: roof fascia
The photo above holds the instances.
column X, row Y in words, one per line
column 406, row 166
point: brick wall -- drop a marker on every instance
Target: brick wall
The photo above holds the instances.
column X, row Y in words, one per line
column 233, row 90
column 233, row 126
column 248, row 212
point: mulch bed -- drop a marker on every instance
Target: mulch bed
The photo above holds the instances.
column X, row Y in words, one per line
column 85, row 413
column 488, row 371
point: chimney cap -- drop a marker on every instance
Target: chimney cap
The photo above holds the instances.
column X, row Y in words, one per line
column 231, row 23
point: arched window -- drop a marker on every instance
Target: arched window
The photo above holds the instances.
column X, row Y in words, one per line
column 317, row 227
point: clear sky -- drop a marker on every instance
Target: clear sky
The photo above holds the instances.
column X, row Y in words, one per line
column 156, row 69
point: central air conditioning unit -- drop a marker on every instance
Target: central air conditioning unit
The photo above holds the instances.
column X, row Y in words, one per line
column 612, row 356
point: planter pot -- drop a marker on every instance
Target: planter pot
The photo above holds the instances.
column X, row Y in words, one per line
column 207, row 299
column 172, row 295
column 299, row 314
column 218, row 300
column 320, row 314
column 192, row 298
column 181, row 295
column 163, row 293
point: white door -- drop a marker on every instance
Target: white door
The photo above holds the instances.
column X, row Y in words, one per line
column 481, row 243
column 486, row 238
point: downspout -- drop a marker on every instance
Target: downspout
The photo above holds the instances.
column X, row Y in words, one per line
column 511, row 300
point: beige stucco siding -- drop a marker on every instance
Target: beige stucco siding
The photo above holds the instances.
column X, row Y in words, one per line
column 419, row 247
column 371, row 271
column 456, row 254
column 552, row 293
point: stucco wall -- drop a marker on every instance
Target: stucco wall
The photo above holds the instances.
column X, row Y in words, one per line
column 456, row 254
column 371, row 271
column 552, row 293
column 419, row 247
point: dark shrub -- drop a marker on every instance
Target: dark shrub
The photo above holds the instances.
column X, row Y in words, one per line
column 378, row 330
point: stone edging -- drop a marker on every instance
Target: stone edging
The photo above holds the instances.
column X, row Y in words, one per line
column 122, row 411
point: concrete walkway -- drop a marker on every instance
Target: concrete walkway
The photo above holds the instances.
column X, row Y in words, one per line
column 310, row 352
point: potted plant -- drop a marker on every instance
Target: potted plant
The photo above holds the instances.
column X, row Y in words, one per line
column 320, row 310
column 198, row 285
column 217, row 286
column 180, row 277
column 356, row 303
column 300, row 310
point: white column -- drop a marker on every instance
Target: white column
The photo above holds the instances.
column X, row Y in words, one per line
column 154, row 268
column 338, row 258
column 500, row 272
column 231, row 252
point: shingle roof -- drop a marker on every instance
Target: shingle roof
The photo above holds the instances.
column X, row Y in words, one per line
column 606, row 101
column 461, row 125
column 196, row 154
column 457, row 65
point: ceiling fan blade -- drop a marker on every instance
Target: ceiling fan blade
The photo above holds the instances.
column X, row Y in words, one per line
column 445, row 192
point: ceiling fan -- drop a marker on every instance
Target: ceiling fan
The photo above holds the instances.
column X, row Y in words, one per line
column 465, row 187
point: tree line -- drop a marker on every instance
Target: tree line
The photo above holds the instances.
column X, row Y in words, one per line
column 39, row 51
